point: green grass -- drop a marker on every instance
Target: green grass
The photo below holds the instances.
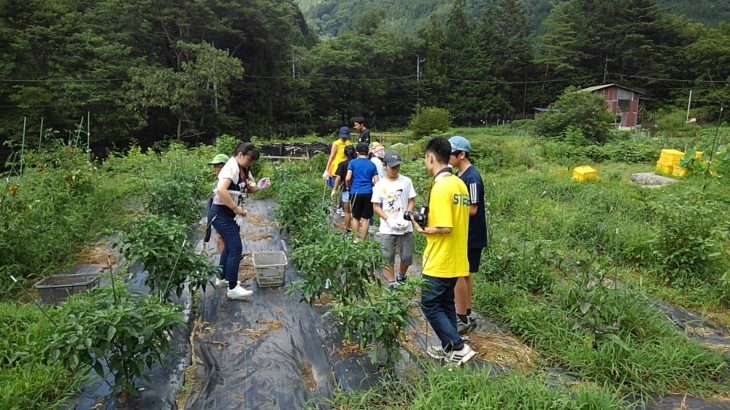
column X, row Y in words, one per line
column 28, row 378
column 469, row 388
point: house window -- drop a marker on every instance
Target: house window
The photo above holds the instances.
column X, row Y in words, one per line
column 624, row 99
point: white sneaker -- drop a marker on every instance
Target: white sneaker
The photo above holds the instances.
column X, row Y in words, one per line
column 437, row 352
column 239, row 293
column 459, row 357
column 222, row 283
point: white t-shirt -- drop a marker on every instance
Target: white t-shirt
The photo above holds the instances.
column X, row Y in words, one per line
column 393, row 196
column 232, row 172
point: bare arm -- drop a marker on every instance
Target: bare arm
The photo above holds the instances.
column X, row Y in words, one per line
column 222, row 190
column 333, row 152
column 432, row 230
column 348, row 177
column 379, row 210
column 411, row 204
column 338, row 179
column 473, row 209
column 376, row 179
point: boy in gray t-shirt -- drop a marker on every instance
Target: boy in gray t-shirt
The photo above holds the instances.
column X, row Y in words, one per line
column 392, row 196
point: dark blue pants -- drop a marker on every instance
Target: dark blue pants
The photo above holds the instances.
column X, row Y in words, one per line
column 231, row 234
column 437, row 304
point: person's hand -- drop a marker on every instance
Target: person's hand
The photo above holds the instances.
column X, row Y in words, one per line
column 332, row 194
column 264, row 183
column 325, row 175
column 239, row 211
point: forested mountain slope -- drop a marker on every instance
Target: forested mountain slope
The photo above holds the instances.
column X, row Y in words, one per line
column 333, row 17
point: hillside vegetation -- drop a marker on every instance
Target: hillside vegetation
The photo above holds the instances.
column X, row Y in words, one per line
column 333, row 17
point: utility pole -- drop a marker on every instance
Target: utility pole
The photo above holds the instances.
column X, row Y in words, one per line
column 293, row 68
column 419, row 60
column 605, row 70
column 689, row 104
column 524, row 98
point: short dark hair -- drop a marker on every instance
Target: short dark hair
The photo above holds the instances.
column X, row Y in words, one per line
column 466, row 154
column 439, row 147
column 247, row 148
column 360, row 120
column 362, row 148
column 350, row 151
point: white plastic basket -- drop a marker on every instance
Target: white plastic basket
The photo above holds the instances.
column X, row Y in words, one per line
column 269, row 267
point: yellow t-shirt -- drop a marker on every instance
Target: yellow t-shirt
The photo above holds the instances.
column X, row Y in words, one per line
column 446, row 255
column 339, row 156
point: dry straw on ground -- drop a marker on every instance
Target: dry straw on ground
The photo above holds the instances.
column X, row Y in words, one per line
column 269, row 326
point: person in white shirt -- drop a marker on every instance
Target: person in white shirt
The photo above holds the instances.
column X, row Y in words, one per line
column 392, row 196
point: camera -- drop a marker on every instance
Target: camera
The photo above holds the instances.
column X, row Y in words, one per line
column 419, row 216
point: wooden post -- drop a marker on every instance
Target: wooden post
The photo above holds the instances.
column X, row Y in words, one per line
column 88, row 130
column 22, row 148
column 40, row 136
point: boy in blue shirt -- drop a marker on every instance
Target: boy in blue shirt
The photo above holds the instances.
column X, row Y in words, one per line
column 460, row 150
column 361, row 176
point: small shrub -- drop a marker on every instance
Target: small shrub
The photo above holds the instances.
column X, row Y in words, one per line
column 174, row 197
column 378, row 321
column 226, row 144
column 161, row 245
column 683, row 243
column 109, row 326
column 333, row 264
column 428, row 120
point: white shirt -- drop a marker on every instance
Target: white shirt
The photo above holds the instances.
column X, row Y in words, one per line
column 379, row 166
column 232, row 172
column 392, row 196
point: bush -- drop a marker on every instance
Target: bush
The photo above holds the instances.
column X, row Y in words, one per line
column 379, row 320
column 687, row 243
column 161, row 245
column 48, row 216
column 671, row 123
column 428, row 120
column 576, row 111
column 109, row 326
column 335, row 264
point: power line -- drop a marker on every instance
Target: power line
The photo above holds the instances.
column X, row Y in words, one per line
column 99, row 80
column 63, row 80
column 669, row 79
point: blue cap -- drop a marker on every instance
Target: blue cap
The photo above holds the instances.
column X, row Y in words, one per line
column 459, row 143
column 344, row 132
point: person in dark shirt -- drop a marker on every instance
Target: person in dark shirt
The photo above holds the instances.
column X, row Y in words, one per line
column 363, row 132
column 340, row 176
column 460, row 150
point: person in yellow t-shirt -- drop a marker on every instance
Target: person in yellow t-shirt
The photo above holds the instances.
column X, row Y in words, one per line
column 445, row 257
column 337, row 155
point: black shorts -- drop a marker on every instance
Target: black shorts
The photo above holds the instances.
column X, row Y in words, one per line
column 475, row 256
column 360, row 205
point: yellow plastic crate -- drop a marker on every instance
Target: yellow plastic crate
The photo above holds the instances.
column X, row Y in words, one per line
column 678, row 171
column 672, row 156
column 664, row 169
column 585, row 173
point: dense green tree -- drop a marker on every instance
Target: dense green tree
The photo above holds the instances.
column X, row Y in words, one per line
column 576, row 116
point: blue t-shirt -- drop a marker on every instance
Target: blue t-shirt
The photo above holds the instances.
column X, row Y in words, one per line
column 477, row 223
column 363, row 171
